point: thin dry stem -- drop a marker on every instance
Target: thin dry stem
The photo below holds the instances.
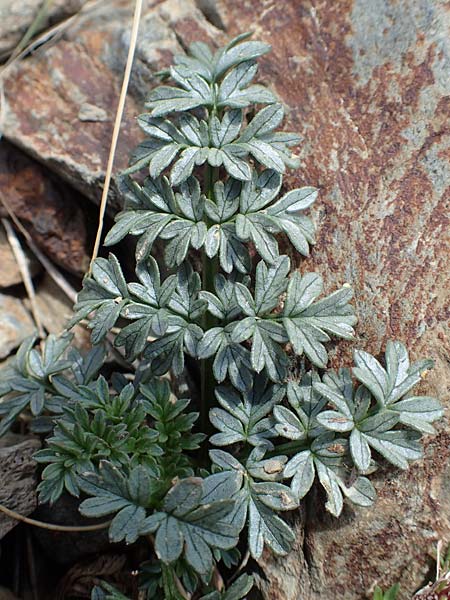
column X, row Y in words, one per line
column 49, row 35
column 438, row 559
column 116, row 131
column 240, row 568
column 22, row 263
column 32, row 29
column 51, row 526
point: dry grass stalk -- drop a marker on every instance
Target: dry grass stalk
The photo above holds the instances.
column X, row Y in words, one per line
column 116, row 131
column 22, row 263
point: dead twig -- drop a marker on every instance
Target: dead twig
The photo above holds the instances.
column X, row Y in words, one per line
column 240, row 568
column 22, row 263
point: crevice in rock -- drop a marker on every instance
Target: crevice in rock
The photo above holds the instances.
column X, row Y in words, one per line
column 211, row 11
column 180, row 40
column 261, row 579
column 305, row 546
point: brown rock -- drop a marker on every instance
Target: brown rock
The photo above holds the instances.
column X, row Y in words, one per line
column 367, row 86
column 9, row 271
column 15, row 324
column 49, row 210
column 18, row 477
column 61, row 103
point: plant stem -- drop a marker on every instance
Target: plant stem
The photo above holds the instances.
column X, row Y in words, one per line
column 210, row 267
column 53, row 527
column 288, row 448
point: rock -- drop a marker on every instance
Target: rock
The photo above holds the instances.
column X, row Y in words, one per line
column 16, row 17
column 18, row 477
column 9, row 272
column 62, row 548
column 89, row 112
column 15, row 324
column 55, row 310
column 61, row 103
column 366, row 84
column 49, row 210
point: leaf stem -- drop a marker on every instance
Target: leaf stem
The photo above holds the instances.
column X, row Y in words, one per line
column 288, row 448
column 210, row 267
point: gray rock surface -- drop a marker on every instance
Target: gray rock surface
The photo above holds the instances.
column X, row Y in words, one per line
column 55, row 310
column 17, row 477
column 15, row 324
column 16, row 17
column 368, row 87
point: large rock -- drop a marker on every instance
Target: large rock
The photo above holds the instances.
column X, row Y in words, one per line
column 60, row 105
column 17, row 477
column 366, row 83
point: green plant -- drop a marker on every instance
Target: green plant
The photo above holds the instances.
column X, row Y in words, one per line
column 390, row 594
column 223, row 296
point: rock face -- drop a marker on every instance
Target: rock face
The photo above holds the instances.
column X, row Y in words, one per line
column 61, row 105
column 366, row 83
column 18, row 477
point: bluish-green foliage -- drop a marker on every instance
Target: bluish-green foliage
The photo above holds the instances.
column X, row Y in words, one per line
column 223, row 295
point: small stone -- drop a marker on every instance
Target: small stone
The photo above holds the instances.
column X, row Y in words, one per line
column 90, row 112
column 9, row 270
column 18, row 477
column 15, row 324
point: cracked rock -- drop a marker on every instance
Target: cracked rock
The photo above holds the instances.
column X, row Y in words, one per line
column 18, row 477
